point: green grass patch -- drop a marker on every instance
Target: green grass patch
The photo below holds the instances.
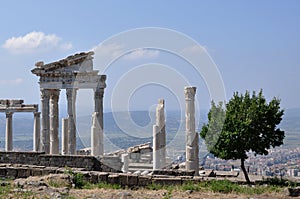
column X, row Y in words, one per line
column 103, row 185
column 4, row 191
column 220, row 186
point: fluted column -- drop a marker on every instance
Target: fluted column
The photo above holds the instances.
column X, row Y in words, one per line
column 71, row 98
column 64, row 136
column 36, row 131
column 9, row 138
column 192, row 148
column 54, row 142
column 98, row 97
column 45, row 136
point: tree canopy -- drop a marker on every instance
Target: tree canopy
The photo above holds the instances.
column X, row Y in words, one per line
column 246, row 123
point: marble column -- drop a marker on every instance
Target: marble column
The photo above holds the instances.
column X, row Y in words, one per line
column 9, row 137
column 156, row 161
column 125, row 160
column 64, row 136
column 36, row 132
column 96, row 136
column 45, row 136
column 98, row 98
column 192, row 139
column 159, row 137
column 54, row 122
column 71, row 98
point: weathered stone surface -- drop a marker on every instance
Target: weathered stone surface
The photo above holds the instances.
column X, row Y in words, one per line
column 167, row 181
column 71, row 73
column 159, row 137
column 23, row 173
column 171, row 172
column 192, row 138
column 144, row 180
column 102, row 176
column 295, row 192
column 36, row 172
column 113, row 179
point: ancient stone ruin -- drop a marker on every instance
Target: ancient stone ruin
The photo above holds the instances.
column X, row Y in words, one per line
column 72, row 73
column 192, row 138
column 159, row 137
column 9, row 107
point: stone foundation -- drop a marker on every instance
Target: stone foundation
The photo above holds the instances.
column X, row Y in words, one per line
column 89, row 163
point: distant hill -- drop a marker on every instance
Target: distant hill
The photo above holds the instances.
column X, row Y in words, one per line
column 122, row 130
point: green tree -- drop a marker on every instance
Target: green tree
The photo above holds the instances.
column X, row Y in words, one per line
column 246, row 123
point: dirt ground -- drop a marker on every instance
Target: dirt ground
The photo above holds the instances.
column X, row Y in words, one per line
column 57, row 186
column 151, row 194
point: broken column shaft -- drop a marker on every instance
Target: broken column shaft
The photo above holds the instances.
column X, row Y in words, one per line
column 159, row 137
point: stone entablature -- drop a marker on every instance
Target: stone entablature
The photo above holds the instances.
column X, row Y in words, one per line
column 72, row 72
column 7, row 105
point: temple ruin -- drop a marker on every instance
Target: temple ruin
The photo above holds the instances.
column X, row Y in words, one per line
column 9, row 107
column 76, row 72
column 72, row 73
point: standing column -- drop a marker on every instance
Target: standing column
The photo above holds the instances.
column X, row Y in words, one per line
column 96, row 137
column 98, row 97
column 161, row 123
column 71, row 97
column 192, row 148
column 9, row 138
column 125, row 160
column 64, row 136
column 45, row 137
column 159, row 137
column 54, row 143
column 156, row 158
column 36, row 131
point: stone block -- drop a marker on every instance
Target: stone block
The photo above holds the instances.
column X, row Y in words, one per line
column 132, row 180
column 11, row 172
column 23, row 173
column 94, row 177
column 36, row 172
column 294, row 192
column 144, row 180
column 102, row 177
column 113, row 179
column 197, row 179
column 123, row 179
column 167, row 181
column 2, row 171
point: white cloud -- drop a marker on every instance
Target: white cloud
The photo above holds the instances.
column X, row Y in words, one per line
column 142, row 54
column 108, row 51
column 35, row 42
column 194, row 50
column 11, row 82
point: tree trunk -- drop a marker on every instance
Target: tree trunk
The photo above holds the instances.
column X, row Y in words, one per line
column 244, row 171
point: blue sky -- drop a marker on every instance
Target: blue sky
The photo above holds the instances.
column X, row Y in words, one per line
column 254, row 44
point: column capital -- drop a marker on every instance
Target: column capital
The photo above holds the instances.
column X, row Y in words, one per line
column 71, row 92
column 54, row 94
column 9, row 114
column 189, row 93
column 37, row 114
column 45, row 93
